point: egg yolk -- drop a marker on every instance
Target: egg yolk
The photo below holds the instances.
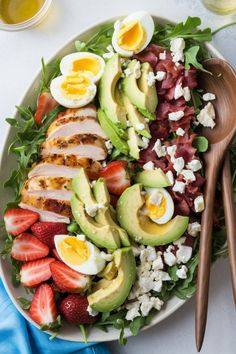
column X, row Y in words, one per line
column 155, row 211
column 131, row 35
column 75, row 86
column 73, row 250
column 89, row 65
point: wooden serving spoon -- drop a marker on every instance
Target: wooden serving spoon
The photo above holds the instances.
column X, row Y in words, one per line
column 222, row 83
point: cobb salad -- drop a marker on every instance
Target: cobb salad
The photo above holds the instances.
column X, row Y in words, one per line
column 109, row 181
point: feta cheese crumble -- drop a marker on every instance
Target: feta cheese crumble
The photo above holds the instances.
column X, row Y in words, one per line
column 199, row 204
column 162, row 56
column 171, row 150
column 180, row 132
column 187, row 94
column 109, row 146
column 91, row 210
column 178, row 164
column 183, row 254
column 127, row 72
column 91, row 311
column 177, row 46
column 106, row 256
column 144, row 142
column 148, row 166
column 189, row 176
column 137, row 70
column 182, row 272
column 150, row 77
column 178, row 91
column 194, row 228
column 207, row 116
column 170, row 177
column 175, row 116
column 194, row 165
column 208, row 96
column 169, row 258
column 160, row 75
column 159, row 149
column 179, row 187
column 139, row 126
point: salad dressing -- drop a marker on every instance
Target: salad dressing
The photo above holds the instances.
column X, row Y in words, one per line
column 16, row 11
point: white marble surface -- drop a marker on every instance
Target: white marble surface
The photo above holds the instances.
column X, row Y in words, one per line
column 20, row 54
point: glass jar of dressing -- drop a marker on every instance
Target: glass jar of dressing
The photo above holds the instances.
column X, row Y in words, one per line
column 20, row 14
column 221, row 7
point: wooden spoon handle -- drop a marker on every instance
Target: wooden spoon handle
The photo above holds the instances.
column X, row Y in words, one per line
column 230, row 219
column 205, row 246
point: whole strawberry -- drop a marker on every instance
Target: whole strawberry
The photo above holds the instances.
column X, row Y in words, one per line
column 74, row 309
column 45, row 231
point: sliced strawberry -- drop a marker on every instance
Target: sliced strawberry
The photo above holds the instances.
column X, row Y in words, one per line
column 45, row 231
column 56, row 254
column 26, row 247
column 74, row 309
column 68, row 279
column 45, row 104
column 116, row 176
column 35, row 272
column 18, row 220
column 43, row 309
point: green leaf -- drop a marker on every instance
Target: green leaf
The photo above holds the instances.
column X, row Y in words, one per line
column 49, row 72
column 172, row 273
column 137, row 324
column 196, row 100
column 191, row 59
column 25, row 303
column 99, row 42
column 187, row 30
column 201, row 144
column 15, row 276
column 7, row 246
column 84, row 333
column 54, row 326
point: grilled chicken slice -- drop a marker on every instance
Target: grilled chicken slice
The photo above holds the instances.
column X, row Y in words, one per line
column 73, row 121
column 85, row 145
column 57, row 206
column 46, row 215
column 65, row 166
column 48, row 187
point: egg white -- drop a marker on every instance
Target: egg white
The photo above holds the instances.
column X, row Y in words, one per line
column 67, row 102
column 169, row 205
column 147, row 23
column 66, row 64
column 92, row 266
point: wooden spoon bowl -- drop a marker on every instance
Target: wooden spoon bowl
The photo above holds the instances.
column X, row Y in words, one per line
column 222, row 83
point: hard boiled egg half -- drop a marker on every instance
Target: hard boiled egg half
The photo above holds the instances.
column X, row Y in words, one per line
column 133, row 33
column 159, row 205
column 83, row 62
column 73, row 90
column 79, row 254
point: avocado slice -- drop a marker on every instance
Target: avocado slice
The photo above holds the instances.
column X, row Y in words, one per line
column 155, row 178
column 111, row 132
column 109, row 272
column 110, row 294
column 81, row 186
column 135, row 118
column 105, row 236
column 144, row 98
column 133, row 143
column 140, row 227
column 103, row 215
column 107, row 92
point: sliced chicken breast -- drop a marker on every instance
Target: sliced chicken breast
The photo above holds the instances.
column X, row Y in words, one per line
column 48, row 187
column 85, row 145
column 71, row 122
column 65, row 166
column 46, row 215
column 57, row 206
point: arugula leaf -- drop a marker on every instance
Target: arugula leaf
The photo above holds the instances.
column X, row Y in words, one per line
column 7, row 246
column 25, row 303
column 54, row 326
column 191, row 59
column 136, row 325
column 15, row 276
column 26, row 144
column 99, row 42
column 84, row 333
column 49, row 72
